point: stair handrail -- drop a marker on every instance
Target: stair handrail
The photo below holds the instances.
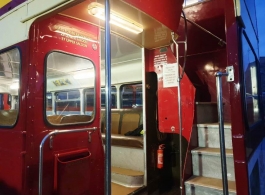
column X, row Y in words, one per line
column 221, row 129
column 55, row 132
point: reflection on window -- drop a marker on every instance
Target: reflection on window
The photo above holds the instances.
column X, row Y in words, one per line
column 9, row 86
column 67, row 102
column 250, row 83
column 131, row 96
column 66, row 78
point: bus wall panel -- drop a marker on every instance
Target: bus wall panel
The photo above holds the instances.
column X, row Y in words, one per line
column 210, row 16
column 201, row 71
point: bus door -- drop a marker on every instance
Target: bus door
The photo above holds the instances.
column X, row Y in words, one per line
column 64, row 62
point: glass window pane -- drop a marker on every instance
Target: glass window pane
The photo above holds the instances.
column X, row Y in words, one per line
column 67, row 76
column 10, row 64
column 131, row 96
column 250, row 83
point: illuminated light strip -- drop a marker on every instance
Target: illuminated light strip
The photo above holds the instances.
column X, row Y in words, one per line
column 116, row 19
column 4, row 2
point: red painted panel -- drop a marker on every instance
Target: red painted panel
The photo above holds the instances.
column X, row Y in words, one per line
column 237, row 120
column 168, row 97
column 209, row 15
column 168, row 102
column 167, row 12
column 59, row 33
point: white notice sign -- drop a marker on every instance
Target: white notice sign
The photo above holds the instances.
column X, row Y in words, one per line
column 170, row 75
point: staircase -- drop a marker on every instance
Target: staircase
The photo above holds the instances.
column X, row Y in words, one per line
column 206, row 161
column 127, row 171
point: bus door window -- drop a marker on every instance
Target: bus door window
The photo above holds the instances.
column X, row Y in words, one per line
column 10, row 64
column 131, row 95
column 66, row 77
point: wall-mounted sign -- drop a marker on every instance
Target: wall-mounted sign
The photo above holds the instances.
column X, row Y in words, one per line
column 170, row 75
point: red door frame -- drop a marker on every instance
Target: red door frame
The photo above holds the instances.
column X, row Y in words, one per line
column 237, row 120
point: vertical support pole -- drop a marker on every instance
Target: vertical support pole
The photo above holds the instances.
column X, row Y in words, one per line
column 108, row 100
column 180, row 122
column 180, row 114
column 221, row 129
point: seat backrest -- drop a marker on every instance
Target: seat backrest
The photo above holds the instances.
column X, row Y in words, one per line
column 122, row 120
column 115, row 122
column 75, row 119
column 8, row 117
column 55, row 119
column 130, row 121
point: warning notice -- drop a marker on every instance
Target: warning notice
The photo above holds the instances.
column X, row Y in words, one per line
column 170, row 75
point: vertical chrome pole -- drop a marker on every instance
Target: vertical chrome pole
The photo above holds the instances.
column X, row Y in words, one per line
column 221, row 130
column 179, row 113
column 180, row 122
column 108, row 100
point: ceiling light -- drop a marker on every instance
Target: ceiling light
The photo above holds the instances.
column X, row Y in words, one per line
column 99, row 12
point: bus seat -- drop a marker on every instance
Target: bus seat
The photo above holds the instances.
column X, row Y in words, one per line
column 75, row 119
column 115, row 122
column 8, row 117
column 122, row 121
column 55, row 119
column 130, row 121
column 125, row 141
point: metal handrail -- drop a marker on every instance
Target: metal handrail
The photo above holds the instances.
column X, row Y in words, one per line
column 180, row 114
column 221, row 129
column 41, row 148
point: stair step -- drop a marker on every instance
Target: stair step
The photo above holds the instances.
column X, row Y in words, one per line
column 207, row 162
column 205, row 186
column 117, row 189
column 208, row 135
column 127, row 158
column 127, row 177
column 206, row 112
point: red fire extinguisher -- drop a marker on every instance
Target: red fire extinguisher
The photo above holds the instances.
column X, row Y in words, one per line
column 160, row 157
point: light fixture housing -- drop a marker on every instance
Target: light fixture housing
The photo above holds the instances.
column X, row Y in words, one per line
column 98, row 11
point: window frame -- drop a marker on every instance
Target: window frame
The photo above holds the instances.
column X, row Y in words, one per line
column 45, row 90
column 134, row 91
